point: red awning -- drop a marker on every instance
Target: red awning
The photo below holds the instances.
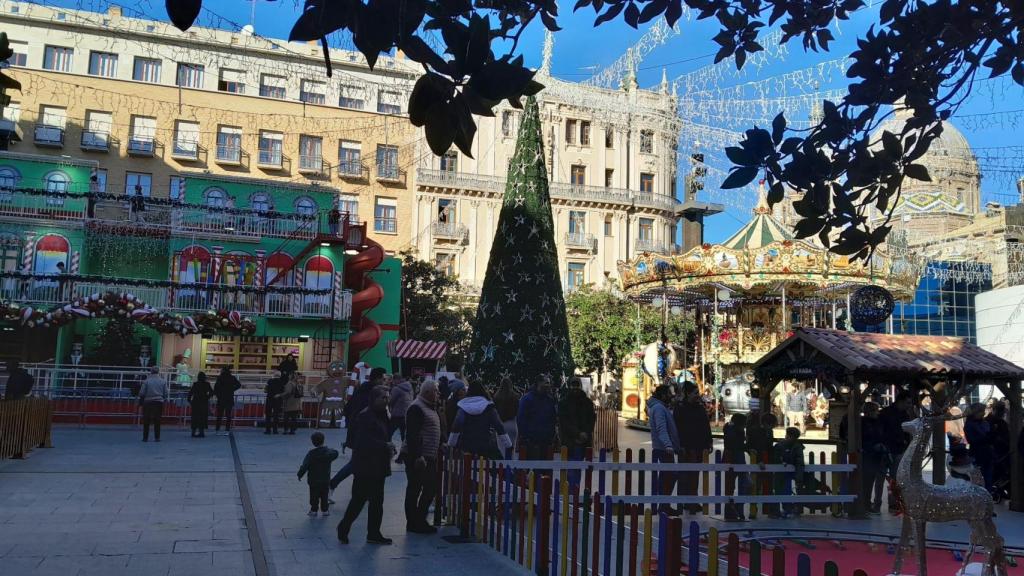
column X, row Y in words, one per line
column 417, row 349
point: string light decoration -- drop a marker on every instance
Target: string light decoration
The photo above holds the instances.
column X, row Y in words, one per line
column 871, row 305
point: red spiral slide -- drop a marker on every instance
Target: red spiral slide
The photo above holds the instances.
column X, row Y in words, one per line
column 367, row 294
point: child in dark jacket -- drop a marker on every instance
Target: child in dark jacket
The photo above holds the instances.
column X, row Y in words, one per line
column 735, row 453
column 789, row 451
column 317, row 464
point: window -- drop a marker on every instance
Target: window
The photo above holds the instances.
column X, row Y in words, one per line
column 190, row 75
column 387, row 161
column 12, row 112
column 231, row 81
column 311, row 153
column 138, row 181
column 389, row 102
column 646, row 230
column 103, row 64
column 352, row 97
column 259, row 202
column 647, row 141
column 58, row 58
column 577, row 222
column 570, row 131
column 578, row 175
column 584, row 133
column 229, row 144
column 646, row 182
column 349, row 162
column 143, row 135
column 271, row 145
column 176, row 189
column 146, row 70
column 20, row 56
column 576, row 276
column 305, row 206
column 609, row 177
column 449, row 161
column 445, row 263
column 506, row 123
column 96, row 135
column 313, row 92
column 101, row 180
column 215, row 198
column 53, row 116
column 609, row 138
column 273, row 86
column 56, row 183
column 50, row 129
column 186, row 139
column 447, row 210
column 349, row 204
column 8, row 180
column 608, row 225
column 385, row 216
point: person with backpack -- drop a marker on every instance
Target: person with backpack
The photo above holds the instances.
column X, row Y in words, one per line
column 291, row 403
column 536, row 421
column 789, row 451
column 477, row 428
column 224, row 389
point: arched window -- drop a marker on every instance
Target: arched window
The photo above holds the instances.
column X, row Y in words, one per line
column 57, row 183
column 276, row 263
column 50, row 250
column 215, row 198
column 319, row 275
column 193, row 265
column 305, row 206
column 259, row 202
column 8, row 180
column 237, row 269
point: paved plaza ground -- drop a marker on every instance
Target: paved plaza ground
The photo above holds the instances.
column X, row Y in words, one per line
column 102, row 502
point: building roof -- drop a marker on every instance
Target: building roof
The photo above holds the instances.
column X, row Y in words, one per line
column 898, row 354
column 762, row 230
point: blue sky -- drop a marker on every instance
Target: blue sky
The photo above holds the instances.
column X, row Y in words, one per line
column 580, row 49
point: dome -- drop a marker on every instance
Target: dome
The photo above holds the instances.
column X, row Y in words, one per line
column 951, row 145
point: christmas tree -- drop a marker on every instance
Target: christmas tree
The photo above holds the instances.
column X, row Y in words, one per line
column 521, row 332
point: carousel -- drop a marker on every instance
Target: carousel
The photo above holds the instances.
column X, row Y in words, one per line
column 750, row 292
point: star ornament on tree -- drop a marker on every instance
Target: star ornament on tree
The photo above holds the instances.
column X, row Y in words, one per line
column 488, row 351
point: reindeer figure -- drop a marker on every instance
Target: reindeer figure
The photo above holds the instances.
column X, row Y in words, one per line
column 925, row 502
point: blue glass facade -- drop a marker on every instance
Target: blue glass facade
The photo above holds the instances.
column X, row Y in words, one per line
column 942, row 306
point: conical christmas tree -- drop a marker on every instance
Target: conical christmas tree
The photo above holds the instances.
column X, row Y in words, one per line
column 521, row 331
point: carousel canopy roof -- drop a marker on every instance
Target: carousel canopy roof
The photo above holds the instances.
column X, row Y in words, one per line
column 763, row 230
column 896, row 354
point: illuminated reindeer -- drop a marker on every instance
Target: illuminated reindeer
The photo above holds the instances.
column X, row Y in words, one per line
column 925, row 502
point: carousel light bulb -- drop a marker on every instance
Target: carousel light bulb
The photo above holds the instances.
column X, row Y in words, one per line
column 676, row 310
column 657, row 302
column 724, row 294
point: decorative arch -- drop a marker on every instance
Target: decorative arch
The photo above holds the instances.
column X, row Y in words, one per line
column 305, row 206
column 318, row 274
column 239, row 269
column 277, row 262
column 49, row 250
column 215, row 197
column 259, row 202
column 56, row 182
column 194, row 265
column 9, row 178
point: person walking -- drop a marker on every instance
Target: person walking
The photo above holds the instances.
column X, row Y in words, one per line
column 317, row 464
column 789, row 451
column 694, row 429
column 536, row 420
column 401, row 398
column 423, row 442
column 796, row 407
column 199, row 401
column 896, row 440
column 979, row 441
column 734, row 452
column 224, row 389
column 152, row 396
column 291, row 403
column 875, row 458
column 664, row 439
column 272, row 407
column 371, row 456
column 288, row 366
column 19, row 381
column 507, row 403
column 359, row 401
column 760, row 441
column 477, row 428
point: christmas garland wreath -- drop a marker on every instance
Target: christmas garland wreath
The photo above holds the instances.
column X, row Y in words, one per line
column 125, row 304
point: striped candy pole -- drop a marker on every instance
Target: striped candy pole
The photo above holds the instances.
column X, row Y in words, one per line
column 339, row 295
column 261, row 266
column 76, row 260
column 30, row 251
column 215, row 274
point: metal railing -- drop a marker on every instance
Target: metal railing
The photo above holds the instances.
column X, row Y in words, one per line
column 496, row 185
column 311, row 163
column 251, row 224
column 353, row 169
column 93, row 140
column 232, row 154
column 452, row 230
column 390, row 172
column 581, row 240
column 185, row 149
column 387, row 225
column 650, row 245
column 49, row 135
column 141, row 146
column 270, row 157
column 48, row 207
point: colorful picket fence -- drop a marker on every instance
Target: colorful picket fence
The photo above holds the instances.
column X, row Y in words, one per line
column 600, row 516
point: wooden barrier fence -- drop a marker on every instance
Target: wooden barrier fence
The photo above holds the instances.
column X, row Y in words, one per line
column 556, row 518
column 25, row 424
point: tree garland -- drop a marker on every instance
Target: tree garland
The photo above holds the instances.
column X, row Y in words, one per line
column 140, row 282
column 125, row 304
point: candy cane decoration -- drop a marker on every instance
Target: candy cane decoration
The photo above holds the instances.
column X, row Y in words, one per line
column 261, row 262
column 339, row 294
column 76, row 258
column 297, row 302
column 29, row 253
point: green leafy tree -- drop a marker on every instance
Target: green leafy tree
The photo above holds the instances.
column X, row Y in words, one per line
column 603, row 328
column 521, row 330
column 431, row 309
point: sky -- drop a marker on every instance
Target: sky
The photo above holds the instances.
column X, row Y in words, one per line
column 990, row 118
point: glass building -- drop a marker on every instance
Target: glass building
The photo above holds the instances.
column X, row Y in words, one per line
column 943, row 304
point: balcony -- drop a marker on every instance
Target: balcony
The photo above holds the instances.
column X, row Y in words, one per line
column 353, row 170
column 184, row 298
column 270, row 158
column 49, row 136
column 385, row 225
column 95, row 141
column 60, row 207
column 142, row 147
column 10, row 131
column 450, row 231
column 240, row 224
column 390, row 174
column 558, row 190
column 649, row 245
column 229, row 155
column 185, row 151
column 580, row 241
column 311, row 164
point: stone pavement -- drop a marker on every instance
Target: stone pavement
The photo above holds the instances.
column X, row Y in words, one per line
column 102, row 502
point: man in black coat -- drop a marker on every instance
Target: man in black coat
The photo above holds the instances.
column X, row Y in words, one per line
column 691, row 419
column 896, row 440
column 19, row 382
column 272, row 412
column 224, row 389
column 371, row 458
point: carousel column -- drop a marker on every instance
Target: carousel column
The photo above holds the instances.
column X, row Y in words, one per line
column 939, row 440
column 1016, row 490
column 853, row 444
